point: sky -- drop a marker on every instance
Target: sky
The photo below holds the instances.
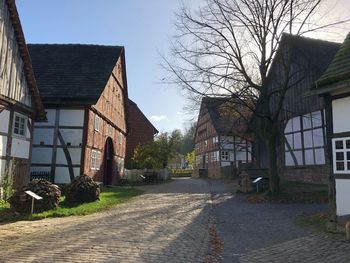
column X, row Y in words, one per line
column 143, row 27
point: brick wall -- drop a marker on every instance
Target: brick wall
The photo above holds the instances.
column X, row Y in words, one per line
column 140, row 131
column 110, row 108
column 312, row 174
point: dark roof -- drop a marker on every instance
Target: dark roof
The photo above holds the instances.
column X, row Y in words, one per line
column 73, row 73
column 28, row 70
column 223, row 116
column 319, row 53
column 133, row 104
column 339, row 69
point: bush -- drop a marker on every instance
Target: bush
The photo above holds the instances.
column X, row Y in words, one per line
column 82, row 190
column 21, row 202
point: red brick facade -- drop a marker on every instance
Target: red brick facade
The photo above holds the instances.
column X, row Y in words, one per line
column 140, row 131
column 110, row 112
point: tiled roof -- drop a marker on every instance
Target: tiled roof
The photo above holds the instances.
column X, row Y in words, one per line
column 140, row 113
column 224, row 118
column 72, row 73
column 319, row 53
column 339, row 69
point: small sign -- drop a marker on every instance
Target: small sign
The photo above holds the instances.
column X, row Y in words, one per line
column 34, row 195
column 257, row 180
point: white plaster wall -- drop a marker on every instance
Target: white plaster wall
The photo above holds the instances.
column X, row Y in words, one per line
column 341, row 110
column 43, row 135
column 71, row 118
column 28, row 132
column 343, row 196
column 62, row 175
column 2, row 167
column 42, row 155
column 75, row 154
column 20, row 148
column 4, row 120
column 225, row 163
column 50, row 115
column 3, row 144
column 72, row 136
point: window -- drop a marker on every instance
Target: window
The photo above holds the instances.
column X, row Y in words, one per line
column 19, row 125
column 206, row 143
column 97, row 123
column 214, row 156
column 215, row 140
column 224, row 156
column 304, row 140
column 95, row 160
column 341, row 155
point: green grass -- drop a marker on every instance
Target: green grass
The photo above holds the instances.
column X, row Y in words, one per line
column 318, row 222
column 294, row 192
column 109, row 197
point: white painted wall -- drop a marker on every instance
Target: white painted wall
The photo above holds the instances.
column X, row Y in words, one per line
column 343, row 196
column 72, row 136
column 3, row 144
column 341, row 110
column 50, row 115
column 42, row 155
column 62, row 175
column 75, row 154
column 71, row 118
column 2, row 167
column 43, row 135
column 4, row 120
column 28, row 132
column 20, row 148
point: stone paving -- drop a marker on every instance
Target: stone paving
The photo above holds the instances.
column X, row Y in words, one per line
column 187, row 220
column 268, row 233
column 167, row 224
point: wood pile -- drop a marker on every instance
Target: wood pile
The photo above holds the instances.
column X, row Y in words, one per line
column 246, row 184
column 22, row 202
column 83, row 189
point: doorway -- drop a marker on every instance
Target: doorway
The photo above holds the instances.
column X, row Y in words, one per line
column 108, row 162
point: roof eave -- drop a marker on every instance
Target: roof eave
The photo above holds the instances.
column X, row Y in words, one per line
column 28, row 69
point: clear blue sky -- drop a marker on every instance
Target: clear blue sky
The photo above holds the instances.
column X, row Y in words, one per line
column 143, row 27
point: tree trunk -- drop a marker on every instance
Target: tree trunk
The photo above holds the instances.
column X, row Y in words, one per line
column 274, row 182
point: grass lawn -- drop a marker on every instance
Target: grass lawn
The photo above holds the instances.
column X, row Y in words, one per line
column 109, row 197
column 294, row 192
column 318, row 221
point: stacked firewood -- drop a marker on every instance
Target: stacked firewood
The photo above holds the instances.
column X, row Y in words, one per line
column 245, row 182
column 82, row 189
column 21, row 202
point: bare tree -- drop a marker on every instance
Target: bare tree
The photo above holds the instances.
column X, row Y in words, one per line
column 226, row 48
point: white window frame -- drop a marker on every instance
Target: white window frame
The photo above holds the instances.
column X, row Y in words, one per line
column 301, row 131
column 344, row 151
column 224, row 156
column 25, row 120
column 95, row 160
column 215, row 140
column 97, row 123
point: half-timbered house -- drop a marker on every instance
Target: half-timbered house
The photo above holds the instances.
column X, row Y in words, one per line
column 140, row 131
column 84, row 92
column 301, row 147
column 20, row 102
column 334, row 87
column 221, row 143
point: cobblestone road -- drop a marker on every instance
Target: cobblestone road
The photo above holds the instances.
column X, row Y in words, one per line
column 167, row 224
column 186, row 220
